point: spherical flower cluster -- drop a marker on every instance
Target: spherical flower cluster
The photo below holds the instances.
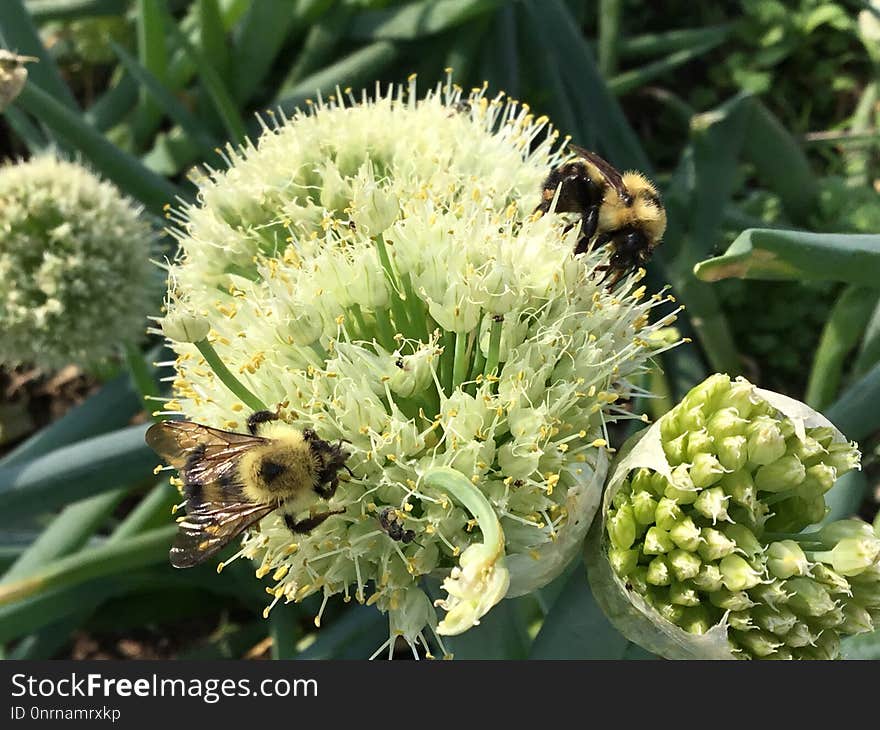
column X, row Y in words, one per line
column 75, row 275
column 702, row 550
column 374, row 271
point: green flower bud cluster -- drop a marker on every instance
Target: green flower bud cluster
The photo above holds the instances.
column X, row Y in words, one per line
column 715, row 540
column 75, row 275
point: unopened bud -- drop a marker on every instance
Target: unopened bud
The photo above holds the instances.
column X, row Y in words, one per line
column 696, row 620
column 712, row 504
column 681, row 594
column 623, row 562
column 684, row 565
column 777, row 621
column 852, row 555
column 699, row 442
column 667, row 513
column 785, row 559
column 808, row 598
column 659, row 573
column 731, row 600
column 705, row 470
column 783, row 474
column 685, row 534
column 644, row 508
column 709, row 579
column 657, row 542
column 857, row 620
column 681, row 487
column 622, row 528
column 184, row 326
column 715, row 545
column 758, row 643
column 732, row 452
column 766, row 442
column 726, row 422
column 737, row 574
column 745, row 540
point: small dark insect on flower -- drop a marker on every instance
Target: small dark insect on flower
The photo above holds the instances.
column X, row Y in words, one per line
column 621, row 210
column 389, row 521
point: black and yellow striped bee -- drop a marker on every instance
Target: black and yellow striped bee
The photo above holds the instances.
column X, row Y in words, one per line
column 621, row 210
column 232, row 480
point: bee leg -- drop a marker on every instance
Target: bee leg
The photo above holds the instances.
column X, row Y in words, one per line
column 257, row 417
column 309, row 523
column 327, row 489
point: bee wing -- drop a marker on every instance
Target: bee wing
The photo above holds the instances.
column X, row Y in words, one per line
column 186, row 445
column 208, row 527
column 610, row 173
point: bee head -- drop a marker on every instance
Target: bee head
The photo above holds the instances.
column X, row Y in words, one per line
column 630, row 248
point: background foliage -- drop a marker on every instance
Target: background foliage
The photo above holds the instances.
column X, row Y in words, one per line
column 758, row 119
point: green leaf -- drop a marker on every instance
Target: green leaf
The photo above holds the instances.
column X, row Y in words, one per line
column 213, row 37
column 417, row 19
column 153, row 55
column 764, row 253
column 780, row 163
column 320, row 44
column 113, row 105
column 100, row 464
column 98, row 562
column 869, row 351
column 360, row 630
column 46, row 10
column 589, row 92
column 67, row 533
column 285, row 631
column 258, row 40
column 843, row 330
column 576, row 628
column 632, row 79
column 356, row 69
column 854, row 412
column 501, row 634
column 610, row 37
column 650, row 45
column 166, row 101
column 863, row 646
column 216, row 88
column 123, row 169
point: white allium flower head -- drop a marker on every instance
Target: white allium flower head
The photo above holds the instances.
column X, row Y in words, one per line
column 75, row 275
column 374, row 269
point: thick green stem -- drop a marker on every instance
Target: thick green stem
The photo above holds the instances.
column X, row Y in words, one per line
column 446, row 360
column 494, row 347
column 401, row 319
column 386, row 330
column 466, row 493
column 418, row 317
column 460, row 363
column 364, row 332
column 227, row 378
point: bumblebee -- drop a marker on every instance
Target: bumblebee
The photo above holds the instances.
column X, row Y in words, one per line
column 622, row 210
column 232, row 480
column 388, row 521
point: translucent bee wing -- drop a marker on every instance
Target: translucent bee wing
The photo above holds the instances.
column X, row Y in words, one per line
column 208, row 527
column 609, row 172
column 180, row 442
